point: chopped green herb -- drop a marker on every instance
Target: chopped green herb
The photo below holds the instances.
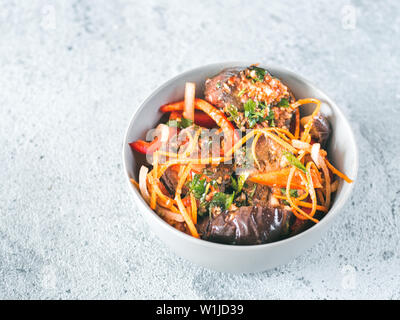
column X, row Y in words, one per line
column 284, row 103
column 222, row 200
column 173, row 123
column 271, row 117
column 260, row 73
column 241, row 92
column 234, row 183
column 207, row 172
column 293, row 192
column 197, row 186
column 186, row 123
column 249, row 107
column 234, row 114
column 241, row 179
column 181, row 124
column 294, row 161
column 254, row 112
column 250, row 112
column 218, row 84
column 250, row 195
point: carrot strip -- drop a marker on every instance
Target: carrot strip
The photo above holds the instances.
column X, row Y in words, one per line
column 337, row 172
column 279, row 179
column 187, row 218
column 302, row 203
column 253, row 149
column 311, row 189
column 327, row 183
column 296, row 210
column 134, row 183
column 297, row 129
column 193, row 208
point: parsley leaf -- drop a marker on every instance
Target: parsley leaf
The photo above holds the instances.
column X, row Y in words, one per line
column 249, row 107
column 254, row 112
column 271, row 118
column 260, row 73
column 234, row 114
column 198, row 186
column 284, row 103
column 241, row 92
column 222, row 200
column 181, row 124
column 186, row 123
column 237, row 184
column 294, row 161
column 293, row 192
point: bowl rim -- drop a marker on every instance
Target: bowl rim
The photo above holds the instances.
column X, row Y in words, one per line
column 339, row 203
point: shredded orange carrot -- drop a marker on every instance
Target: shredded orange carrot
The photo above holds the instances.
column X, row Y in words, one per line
column 281, row 142
column 284, row 131
column 182, row 178
column 193, row 207
column 162, row 199
column 297, row 129
column 302, row 203
column 253, row 149
column 311, row 189
column 307, row 127
column 134, row 183
column 192, row 145
column 334, row 185
column 238, row 144
column 186, row 217
column 337, row 172
column 320, row 196
column 296, row 210
column 327, row 178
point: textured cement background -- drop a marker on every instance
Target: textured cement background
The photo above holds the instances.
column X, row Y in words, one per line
column 73, row 72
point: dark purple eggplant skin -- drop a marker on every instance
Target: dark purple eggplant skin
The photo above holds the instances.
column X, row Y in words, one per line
column 321, row 130
column 248, row 225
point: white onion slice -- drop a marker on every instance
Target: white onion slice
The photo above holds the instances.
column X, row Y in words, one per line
column 169, row 214
column 163, row 131
column 142, row 183
column 190, row 92
column 315, row 154
column 301, row 144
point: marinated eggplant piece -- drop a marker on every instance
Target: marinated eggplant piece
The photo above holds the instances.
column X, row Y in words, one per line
column 321, row 130
column 250, row 96
column 247, row 226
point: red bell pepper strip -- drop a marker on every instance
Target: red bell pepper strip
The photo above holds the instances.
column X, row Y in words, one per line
column 200, row 118
column 146, row 147
column 175, row 115
column 149, row 147
column 231, row 136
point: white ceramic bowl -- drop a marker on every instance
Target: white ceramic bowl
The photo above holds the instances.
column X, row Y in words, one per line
column 233, row 258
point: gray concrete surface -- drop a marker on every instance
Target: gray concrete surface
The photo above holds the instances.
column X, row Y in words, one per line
column 73, row 72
